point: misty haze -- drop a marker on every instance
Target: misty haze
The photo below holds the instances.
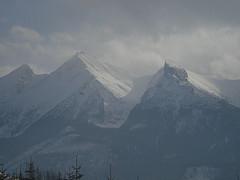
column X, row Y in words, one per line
column 119, row 90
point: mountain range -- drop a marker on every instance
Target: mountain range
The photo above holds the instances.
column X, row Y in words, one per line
column 174, row 124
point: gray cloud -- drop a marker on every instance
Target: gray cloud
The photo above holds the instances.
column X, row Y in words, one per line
column 203, row 36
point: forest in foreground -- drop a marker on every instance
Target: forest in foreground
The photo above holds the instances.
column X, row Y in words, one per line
column 32, row 172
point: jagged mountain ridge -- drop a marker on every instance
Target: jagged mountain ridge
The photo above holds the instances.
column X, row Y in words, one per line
column 20, row 110
column 177, row 109
column 179, row 126
column 18, row 81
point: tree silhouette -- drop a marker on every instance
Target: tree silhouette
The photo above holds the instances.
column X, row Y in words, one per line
column 3, row 173
column 76, row 174
column 30, row 171
column 110, row 176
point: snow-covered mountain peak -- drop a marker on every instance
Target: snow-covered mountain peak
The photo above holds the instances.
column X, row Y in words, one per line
column 16, row 82
column 171, row 70
column 203, row 83
column 172, row 76
column 24, row 67
column 71, row 66
column 24, row 70
column 197, row 80
column 87, row 85
column 99, row 70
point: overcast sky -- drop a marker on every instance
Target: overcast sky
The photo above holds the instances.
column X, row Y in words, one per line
column 200, row 35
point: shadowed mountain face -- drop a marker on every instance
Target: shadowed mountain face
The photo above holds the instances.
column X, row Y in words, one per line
column 181, row 128
column 177, row 127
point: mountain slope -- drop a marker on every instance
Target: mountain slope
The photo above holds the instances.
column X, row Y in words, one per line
column 178, row 126
column 181, row 128
column 72, row 77
column 18, row 81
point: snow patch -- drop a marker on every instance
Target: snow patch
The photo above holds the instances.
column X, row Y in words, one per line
column 101, row 73
column 202, row 83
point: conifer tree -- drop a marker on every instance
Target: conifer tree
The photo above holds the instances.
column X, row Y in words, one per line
column 59, row 176
column 76, row 171
column 3, row 173
column 20, row 175
column 110, row 176
column 30, row 171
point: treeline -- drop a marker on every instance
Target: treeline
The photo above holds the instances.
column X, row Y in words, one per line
column 32, row 172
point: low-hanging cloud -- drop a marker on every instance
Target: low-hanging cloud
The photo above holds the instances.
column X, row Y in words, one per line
column 138, row 35
column 211, row 51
